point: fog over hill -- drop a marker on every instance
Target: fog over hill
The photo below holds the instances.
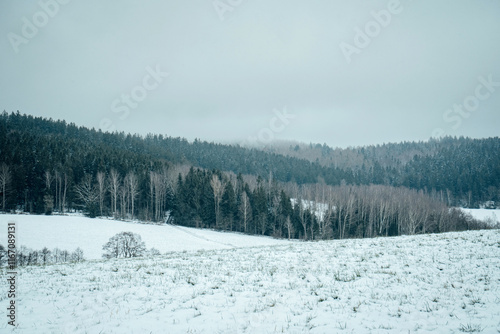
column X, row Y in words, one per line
column 348, row 73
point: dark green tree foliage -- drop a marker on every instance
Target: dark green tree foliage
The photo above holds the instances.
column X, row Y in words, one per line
column 258, row 201
column 228, row 206
column 194, row 200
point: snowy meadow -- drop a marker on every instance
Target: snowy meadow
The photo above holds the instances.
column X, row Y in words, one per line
column 446, row 283
column 70, row 232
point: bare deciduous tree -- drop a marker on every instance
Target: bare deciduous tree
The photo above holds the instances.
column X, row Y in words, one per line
column 218, row 190
column 77, row 255
column 302, row 211
column 64, row 190
column 245, row 211
column 160, row 184
column 114, row 186
column 61, row 185
column 45, row 256
column 328, row 212
column 3, row 255
column 289, row 227
column 101, row 188
column 124, row 244
column 133, row 190
column 123, row 194
column 88, row 194
column 48, row 180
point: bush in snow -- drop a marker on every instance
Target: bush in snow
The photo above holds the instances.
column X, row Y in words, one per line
column 3, row 255
column 28, row 257
column 77, row 255
column 124, row 244
column 154, row 252
column 45, row 256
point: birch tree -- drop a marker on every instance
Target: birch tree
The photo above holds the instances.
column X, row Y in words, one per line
column 289, row 227
column 245, row 211
column 114, row 186
column 133, row 190
column 218, row 191
column 123, row 194
column 64, row 191
column 101, row 187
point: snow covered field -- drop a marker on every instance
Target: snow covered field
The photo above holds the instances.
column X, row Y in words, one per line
column 446, row 283
column 491, row 216
column 70, row 232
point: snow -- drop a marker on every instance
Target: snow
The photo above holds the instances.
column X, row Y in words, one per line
column 70, row 232
column 446, row 283
column 319, row 209
column 489, row 215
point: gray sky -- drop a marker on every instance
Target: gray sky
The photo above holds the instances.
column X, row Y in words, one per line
column 346, row 73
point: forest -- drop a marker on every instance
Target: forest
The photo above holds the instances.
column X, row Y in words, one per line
column 49, row 167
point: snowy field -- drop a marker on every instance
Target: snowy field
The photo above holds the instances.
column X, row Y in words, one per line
column 445, row 283
column 70, row 232
column 491, row 216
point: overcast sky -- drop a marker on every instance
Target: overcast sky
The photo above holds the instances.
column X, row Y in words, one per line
column 345, row 73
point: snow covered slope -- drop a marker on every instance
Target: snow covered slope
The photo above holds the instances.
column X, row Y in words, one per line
column 70, row 232
column 488, row 215
column 446, row 283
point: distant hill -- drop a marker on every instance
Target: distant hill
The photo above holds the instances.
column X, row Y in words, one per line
column 466, row 170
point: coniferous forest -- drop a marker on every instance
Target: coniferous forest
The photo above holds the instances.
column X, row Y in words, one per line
column 293, row 191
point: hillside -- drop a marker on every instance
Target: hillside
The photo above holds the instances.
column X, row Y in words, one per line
column 419, row 284
column 466, row 171
column 49, row 166
column 36, row 232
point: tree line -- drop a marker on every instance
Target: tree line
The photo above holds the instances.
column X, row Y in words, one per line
column 202, row 198
column 28, row 257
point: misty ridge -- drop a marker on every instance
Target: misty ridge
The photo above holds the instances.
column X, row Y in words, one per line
column 350, row 74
